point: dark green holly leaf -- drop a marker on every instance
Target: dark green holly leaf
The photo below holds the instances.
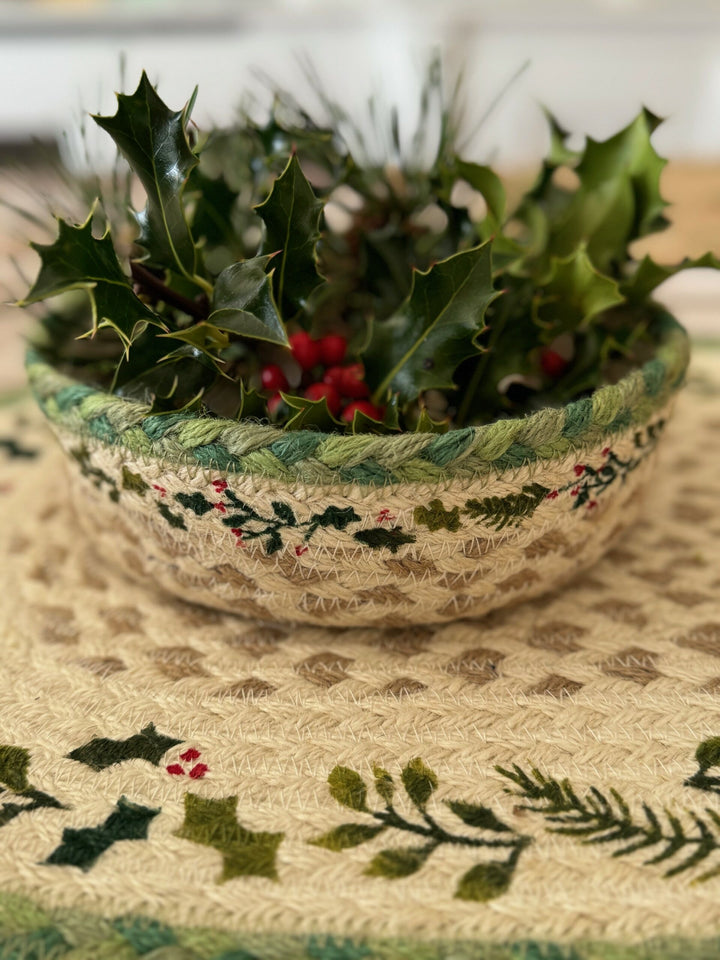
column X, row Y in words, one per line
column 347, row 835
column 153, row 140
column 649, row 275
column 101, row 752
column 79, row 261
column 291, row 215
column 284, row 512
column 708, row 753
column 311, row 414
column 573, row 294
column 390, row 538
column 348, row 788
column 477, row 815
column 395, row 864
column 212, row 215
column 252, row 405
column 390, row 422
column 485, row 881
column 384, row 784
column 421, row 345
column 339, row 518
column 14, row 764
column 419, row 781
column 243, row 302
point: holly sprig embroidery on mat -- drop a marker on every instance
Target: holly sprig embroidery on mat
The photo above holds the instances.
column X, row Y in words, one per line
column 483, row 881
column 14, row 767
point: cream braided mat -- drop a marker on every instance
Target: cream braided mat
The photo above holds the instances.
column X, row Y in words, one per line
column 543, row 784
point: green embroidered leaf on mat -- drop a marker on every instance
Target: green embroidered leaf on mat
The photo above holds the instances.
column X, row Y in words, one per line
column 154, row 141
column 347, row 835
column 102, row 752
column 436, row 517
column 291, row 215
column 419, row 781
column 134, row 482
column 15, row 451
column 384, row 784
column 82, row 848
column 339, row 518
column 477, row 815
column 510, row 509
column 394, row 864
column 79, row 261
column 485, row 881
column 14, row 764
column 172, row 518
column 213, row 823
column 378, row 537
column 348, row 788
column 707, row 756
column 195, row 502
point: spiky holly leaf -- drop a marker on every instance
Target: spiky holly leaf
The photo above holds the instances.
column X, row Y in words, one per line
column 426, row 424
column 649, row 275
column 573, row 294
column 421, row 345
column 488, row 184
column 79, row 261
column 311, row 414
column 243, row 302
column 211, row 218
column 388, row 423
column 153, row 140
column 204, row 336
column 291, row 215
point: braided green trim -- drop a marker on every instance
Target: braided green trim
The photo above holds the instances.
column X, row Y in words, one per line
column 314, row 458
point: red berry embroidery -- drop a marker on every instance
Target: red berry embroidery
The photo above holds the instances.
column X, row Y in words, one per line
column 552, row 495
column 305, row 350
column 316, row 391
column 161, row 490
column 221, row 507
column 575, row 491
column 190, row 754
column 272, row 377
column 198, row 771
column 220, row 485
column 579, row 469
column 176, row 770
column 364, row 406
column 385, row 516
column 332, row 349
column 592, row 504
column 301, row 549
column 606, row 451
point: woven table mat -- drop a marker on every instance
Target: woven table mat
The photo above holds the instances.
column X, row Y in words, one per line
column 542, row 784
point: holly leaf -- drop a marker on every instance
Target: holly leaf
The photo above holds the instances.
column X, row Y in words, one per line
column 212, row 216
column 419, row 781
column 649, row 275
column 291, row 215
column 435, row 329
column 390, row 422
column 204, row 335
column 14, row 764
column 390, row 538
column 153, row 140
column 573, row 294
column 102, row 752
column 348, row 788
column 243, row 302
column 477, row 815
column 311, row 414
column 347, row 835
column 426, row 424
column 79, row 261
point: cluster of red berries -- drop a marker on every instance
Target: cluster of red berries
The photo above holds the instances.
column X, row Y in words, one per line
column 324, row 375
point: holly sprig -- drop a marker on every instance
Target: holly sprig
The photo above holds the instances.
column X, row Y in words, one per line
column 242, row 297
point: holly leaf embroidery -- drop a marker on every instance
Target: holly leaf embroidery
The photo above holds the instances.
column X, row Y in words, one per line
column 435, row 329
column 82, row 848
column 291, row 215
column 213, row 823
column 391, row 538
column 79, row 261
column 153, row 140
column 102, row 752
column 243, row 302
column 14, row 764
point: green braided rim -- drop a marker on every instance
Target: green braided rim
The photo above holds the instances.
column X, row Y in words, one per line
column 318, row 458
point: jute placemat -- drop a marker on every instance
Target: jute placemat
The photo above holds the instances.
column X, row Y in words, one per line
column 541, row 784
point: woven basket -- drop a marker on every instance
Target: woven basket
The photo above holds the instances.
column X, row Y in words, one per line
column 360, row 530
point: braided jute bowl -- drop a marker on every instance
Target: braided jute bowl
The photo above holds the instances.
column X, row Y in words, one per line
column 360, row 530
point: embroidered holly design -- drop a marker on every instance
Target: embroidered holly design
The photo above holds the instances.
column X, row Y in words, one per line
column 483, row 881
column 25, row 798
column 196, row 772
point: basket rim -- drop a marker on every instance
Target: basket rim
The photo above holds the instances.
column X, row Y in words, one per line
column 305, row 456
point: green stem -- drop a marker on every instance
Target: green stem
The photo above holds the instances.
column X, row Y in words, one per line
column 435, row 832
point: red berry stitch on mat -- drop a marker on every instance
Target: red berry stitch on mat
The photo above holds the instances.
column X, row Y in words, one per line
column 197, row 772
column 606, row 451
column 552, row 495
column 220, row 485
column 221, row 507
column 385, row 516
column 161, row 490
column 301, row 549
column 592, row 504
column 579, row 469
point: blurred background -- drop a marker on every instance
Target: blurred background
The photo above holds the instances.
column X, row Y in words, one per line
column 593, row 62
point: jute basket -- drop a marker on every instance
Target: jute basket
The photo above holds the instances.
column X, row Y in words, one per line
column 360, row 530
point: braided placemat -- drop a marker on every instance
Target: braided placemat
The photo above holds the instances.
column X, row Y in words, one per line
column 543, row 784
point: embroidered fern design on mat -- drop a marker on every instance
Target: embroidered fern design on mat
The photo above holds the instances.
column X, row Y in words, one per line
column 598, row 818
column 14, row 766
column 482, row 882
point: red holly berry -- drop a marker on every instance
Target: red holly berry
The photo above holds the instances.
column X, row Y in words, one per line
column 316, row 391
column 190, row 754
column 274, row 404
column 334, row 377
column 332, row 349
column 552, row 363
column 364, row 406
column 579, row 469
column 305, row 350
column 273, row 377
column 175, row 769
column 199, row 771
column 353, row 383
